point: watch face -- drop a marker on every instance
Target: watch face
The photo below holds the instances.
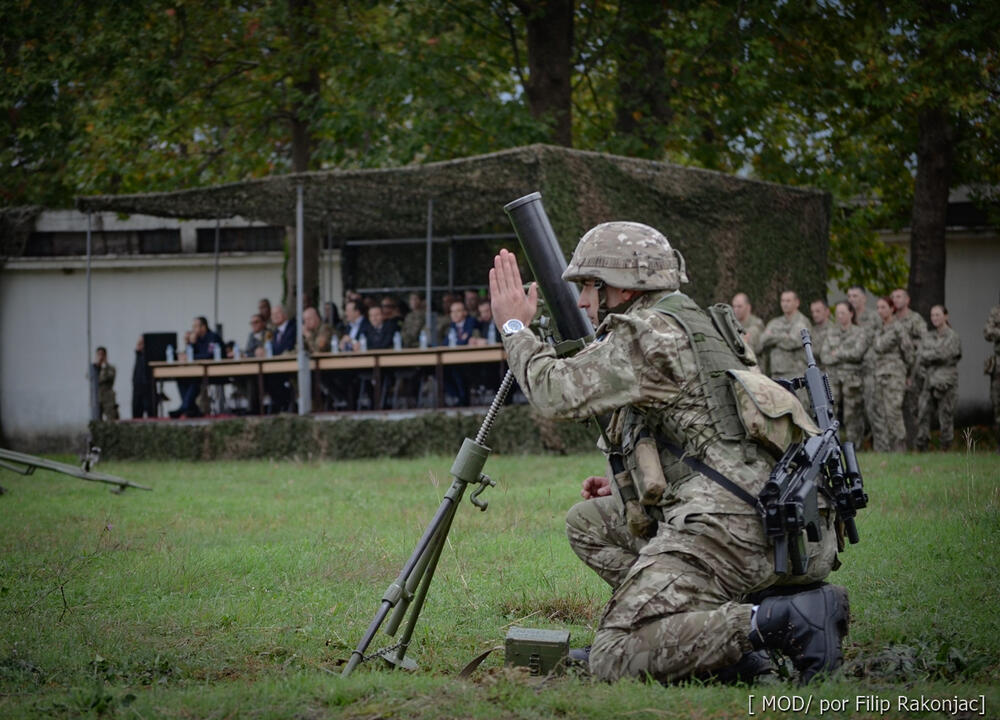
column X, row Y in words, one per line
column 512, row 326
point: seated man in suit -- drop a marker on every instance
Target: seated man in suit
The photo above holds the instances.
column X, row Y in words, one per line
column 203, row 343
column 379, row 336
column 279, row 386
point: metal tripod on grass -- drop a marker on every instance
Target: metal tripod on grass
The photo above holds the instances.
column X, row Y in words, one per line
column 405, row 596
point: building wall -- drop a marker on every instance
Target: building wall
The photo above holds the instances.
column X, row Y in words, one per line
column 44, row 395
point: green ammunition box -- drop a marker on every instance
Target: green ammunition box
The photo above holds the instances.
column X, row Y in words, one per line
column 544, row 652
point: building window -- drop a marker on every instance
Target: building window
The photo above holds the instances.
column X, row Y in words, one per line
column 242, row 239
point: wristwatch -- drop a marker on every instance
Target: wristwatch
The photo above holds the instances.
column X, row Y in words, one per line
column 511, row 326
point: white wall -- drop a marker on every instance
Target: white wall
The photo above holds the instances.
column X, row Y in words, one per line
column 43, row 358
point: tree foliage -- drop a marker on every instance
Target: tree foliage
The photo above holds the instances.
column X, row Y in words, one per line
column 103, row 96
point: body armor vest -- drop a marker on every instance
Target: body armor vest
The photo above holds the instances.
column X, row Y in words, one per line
column 715, row 338
column 718, row 346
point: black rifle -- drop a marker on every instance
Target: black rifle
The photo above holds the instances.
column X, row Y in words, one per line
column 788, row 501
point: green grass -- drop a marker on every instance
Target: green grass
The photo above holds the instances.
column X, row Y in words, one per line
column 239, row 589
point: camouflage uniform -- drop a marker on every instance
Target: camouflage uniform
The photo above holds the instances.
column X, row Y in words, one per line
column 782, row 341
column 869, row 321
column 937, row 362
column 782, row 345
column 106, row 392
column 843, row 355
column 678, row 604
column 753, row 328
column 893, row 357
column 413, row 323
column 818, row 335
column 991, row 332
column 916, row 327
column 318, row 340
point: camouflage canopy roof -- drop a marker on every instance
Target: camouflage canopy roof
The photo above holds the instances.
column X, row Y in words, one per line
column 736, row 234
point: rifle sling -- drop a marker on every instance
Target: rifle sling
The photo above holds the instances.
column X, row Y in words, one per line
column 711, row 473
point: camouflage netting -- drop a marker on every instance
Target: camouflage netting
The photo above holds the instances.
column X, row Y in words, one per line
column 736, row 234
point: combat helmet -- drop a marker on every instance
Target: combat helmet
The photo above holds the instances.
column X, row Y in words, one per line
column 629, row 256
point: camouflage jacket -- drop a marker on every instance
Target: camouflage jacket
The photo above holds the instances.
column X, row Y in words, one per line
column 938, row 357
column 106, row 384
column 643, row 359
column 782, row 342
column 753, row 329
column 894, row 352
column 413, row 323
column 991, row 331
column 818, row 335
column 318, row 340
column 844, row 349
column 915, row 326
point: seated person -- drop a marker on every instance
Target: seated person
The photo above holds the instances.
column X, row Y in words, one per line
column 355, row 325
column 284, row 330
column 380, row 330
column 279, row 386
column 461, row 330
column 415, row 322
column 258, row 337
column 315, row 334
column 488, row 332
column 203, row 342
column 378, row 336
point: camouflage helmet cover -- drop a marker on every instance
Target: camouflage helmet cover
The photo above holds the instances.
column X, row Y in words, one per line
column 628, row 256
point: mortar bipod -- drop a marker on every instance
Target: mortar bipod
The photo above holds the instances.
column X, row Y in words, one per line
column 409, row 590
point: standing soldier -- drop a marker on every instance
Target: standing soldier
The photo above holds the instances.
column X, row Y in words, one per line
column 991, row 331
column 680, row 579
column 821, row 324
column 869, row 321
column 893, row 362
column 937, row 360
column 782, row 342
column 843, row 353
column 753, row 326
column 106, row 386
column 916, row 327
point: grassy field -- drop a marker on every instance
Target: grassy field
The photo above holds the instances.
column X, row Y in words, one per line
column 238, row 590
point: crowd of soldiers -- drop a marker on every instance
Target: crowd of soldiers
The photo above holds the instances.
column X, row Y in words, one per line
column 889, row 373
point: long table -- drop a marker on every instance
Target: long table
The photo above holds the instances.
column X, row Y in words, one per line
column 374, row 360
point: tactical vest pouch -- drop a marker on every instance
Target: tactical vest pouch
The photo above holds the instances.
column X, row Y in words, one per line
column 640, row 524
column 647, row 473
column 729, row 328
column 773, row 417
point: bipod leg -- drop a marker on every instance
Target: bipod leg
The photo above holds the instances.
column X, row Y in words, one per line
column 427, row 575
column 396, row 590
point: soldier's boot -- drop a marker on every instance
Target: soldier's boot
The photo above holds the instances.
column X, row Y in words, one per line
column 808, row 627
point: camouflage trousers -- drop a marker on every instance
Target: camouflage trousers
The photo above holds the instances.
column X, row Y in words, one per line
column 943, row 401
column 678, row 603
column 848, row 396
column 889, row 435
column 911, row 411
column 873, row 414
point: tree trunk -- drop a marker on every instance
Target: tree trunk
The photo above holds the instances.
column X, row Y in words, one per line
column 935, row 157
column 550, row 48
column 643, row 90
column 307, row 86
